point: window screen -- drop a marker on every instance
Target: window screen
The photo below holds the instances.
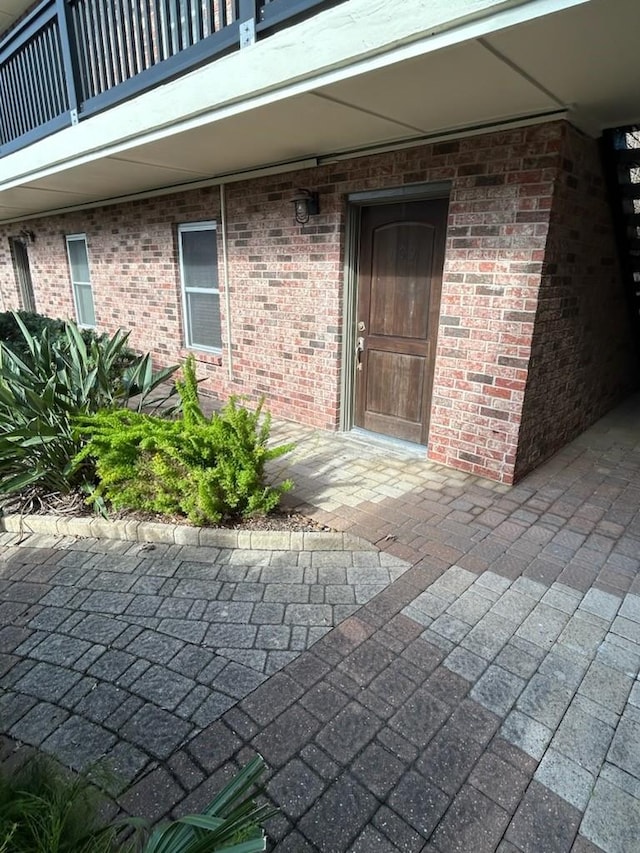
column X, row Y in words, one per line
column 80, row 279
column 200, row 293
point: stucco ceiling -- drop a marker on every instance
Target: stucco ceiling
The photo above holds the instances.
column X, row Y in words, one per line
column 583, row 59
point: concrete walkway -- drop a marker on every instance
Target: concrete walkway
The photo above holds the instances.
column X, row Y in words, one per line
column 479, row 691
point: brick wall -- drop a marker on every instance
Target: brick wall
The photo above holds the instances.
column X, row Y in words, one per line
column 286, row 283
column 133, row 263
column 582, row 359
column 284, row 289
column 498, row 225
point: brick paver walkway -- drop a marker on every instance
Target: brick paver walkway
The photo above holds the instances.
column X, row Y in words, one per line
column 120, row 652
column 486, row 699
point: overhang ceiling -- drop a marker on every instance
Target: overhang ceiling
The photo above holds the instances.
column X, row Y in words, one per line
column 583, row 59
column 10, row 10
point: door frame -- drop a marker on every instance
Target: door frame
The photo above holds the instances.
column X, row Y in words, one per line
column 355, row 202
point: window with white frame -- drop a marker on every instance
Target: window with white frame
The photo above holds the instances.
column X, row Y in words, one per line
column 198, row 252
column 80, row 279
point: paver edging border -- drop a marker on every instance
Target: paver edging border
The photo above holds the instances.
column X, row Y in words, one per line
column 183, row 534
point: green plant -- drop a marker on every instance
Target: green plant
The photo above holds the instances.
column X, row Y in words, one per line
column 206, row 468
column 11, row 335
column 43, row 810
column 229, row 824
column 58, row 378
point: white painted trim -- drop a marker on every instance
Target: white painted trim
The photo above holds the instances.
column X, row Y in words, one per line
column 203, row 225
column 225, row 273
column 77, row 238
column 186, row 228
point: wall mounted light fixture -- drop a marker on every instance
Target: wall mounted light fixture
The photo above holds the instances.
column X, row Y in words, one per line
column 305, row 204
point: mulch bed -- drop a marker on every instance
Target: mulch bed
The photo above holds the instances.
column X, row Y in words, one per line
column 36, row 502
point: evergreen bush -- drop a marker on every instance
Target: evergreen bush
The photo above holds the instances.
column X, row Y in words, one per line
column 205, row 468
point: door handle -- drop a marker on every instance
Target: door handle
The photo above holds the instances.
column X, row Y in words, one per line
column 359, row 351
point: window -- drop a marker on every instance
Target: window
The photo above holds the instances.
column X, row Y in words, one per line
column 198, row 252
column 80, row 281
column 23, row 272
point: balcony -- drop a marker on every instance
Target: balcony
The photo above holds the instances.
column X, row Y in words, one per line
column 149, row 100
column 70, row 59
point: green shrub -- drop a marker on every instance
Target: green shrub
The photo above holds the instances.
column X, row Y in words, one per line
column 204, row 468
column 44, row 811
column 58, row 378
column 12, row 336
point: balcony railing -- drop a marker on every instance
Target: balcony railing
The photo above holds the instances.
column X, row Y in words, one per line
column 68, row 59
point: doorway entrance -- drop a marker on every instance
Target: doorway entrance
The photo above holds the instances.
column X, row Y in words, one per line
column 399, row 280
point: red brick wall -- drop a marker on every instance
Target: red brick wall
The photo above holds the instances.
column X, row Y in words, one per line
column 582, row 359
column 133, row 263
column 286, row 296
column 285, row 288
column 286, row 283
column 498, row 224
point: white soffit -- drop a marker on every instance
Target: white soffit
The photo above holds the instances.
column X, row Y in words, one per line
column 286, row 130
column 109, row 177
column 33, row 199
column 589, row 57
column 465, row 84
column 350, row 39
column 10, row 10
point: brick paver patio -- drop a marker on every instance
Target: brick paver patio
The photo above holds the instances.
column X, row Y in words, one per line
column 118, row 651
column 479, row 690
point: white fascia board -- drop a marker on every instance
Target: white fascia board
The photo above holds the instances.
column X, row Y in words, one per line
column 348, row 40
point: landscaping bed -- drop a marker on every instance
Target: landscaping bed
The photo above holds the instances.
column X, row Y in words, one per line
column 81, row 434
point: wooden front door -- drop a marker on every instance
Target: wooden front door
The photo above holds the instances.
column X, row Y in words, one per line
column 399, row 281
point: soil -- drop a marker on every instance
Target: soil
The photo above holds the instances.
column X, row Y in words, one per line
column 36, row 502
